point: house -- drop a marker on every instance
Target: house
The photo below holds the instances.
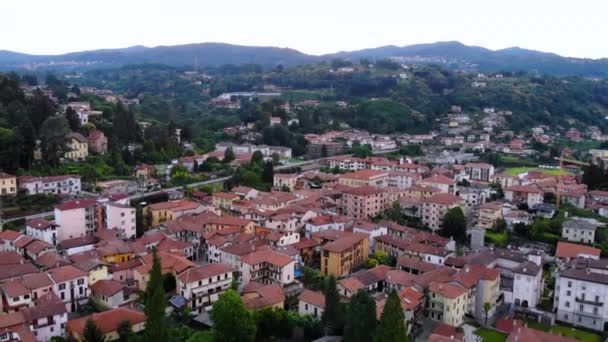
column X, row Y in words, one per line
column 325, row 222
column 224, row 200
column 481, row 172
column 8, row 184
column 488, row 214
column 68, row 185
column 267, row 267
column 71, row 285
column 339, row 257
column 527, row 284
column 202, row 285
column 363, row 202
column 524, row 194
column 42, row 229
column 578, row 229
column 257, row 296
column 108, row 322
column 109, row 293
column 434, row 209
column 567, row 251
column 170, row 263
column 447, row 303
column 171, row 210
column 371, row 178
column 311, row 303
column 285, row 180
column 371, row 280
column 98, row 143
column 78, row 147
column 76, row 219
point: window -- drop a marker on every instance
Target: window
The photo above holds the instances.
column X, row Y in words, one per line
column 568, row 293
column 61, row 287
column 567, row 304
column 80, row 281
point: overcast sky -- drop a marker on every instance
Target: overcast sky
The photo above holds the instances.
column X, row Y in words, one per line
column 572, row 28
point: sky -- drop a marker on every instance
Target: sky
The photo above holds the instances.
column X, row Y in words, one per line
column 567, row 27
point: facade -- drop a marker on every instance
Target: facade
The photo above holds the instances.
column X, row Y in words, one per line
column 8, row 184
column 203, row 285
column 447, row 303
column 527, row 284
column 71, row 285
column 68, row 185
column 98, row 142
column 519, row 194
column 580, row 230
column 339, row 257
column 363, row 202
column 167, row 211
column 481, row 172
column 121, row 217
column 372, row 178
column 78, row 147
column 287, row 180
column 311, row 303
column 75, row 219
column 109, row 293
column 434, row 209
column 488, row 214
column 43, row 230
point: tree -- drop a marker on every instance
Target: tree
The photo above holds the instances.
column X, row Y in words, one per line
column 92, row 333
column 155, row 303
column 54, row 142
column 8, row 150
column 487, row 306
column 125, row 331
column 331, row 315
column 268, row 173
column 392, row 321
column 229, row 155
column 139, row 221
column 362, row 151
column 231, row 320
column 361, row 323
column 73, row 120
column 454, row 224
column 257, row 158
column 549, row 197
column 499, row 226
column 201, row 336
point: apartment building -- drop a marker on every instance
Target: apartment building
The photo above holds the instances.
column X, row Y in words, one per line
column 43, row 230
column 488, row 214
column 8, row 184
column 75, row 219
column 372, row 178
column 121, row 217
column 339, row 257
column 68, row 185
column 434, row 209
column 71, row 285
column 171, row 210
column 527, row 284
column 447, row 303
column 481, row 172
column 441, row 182
column 403, row 179
column 287, row 180
column 267, row 267
column 364, row 202
column 203, row 285
column 579, row 229
column 519, row 194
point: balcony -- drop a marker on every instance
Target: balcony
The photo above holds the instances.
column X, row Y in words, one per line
column 586, row 301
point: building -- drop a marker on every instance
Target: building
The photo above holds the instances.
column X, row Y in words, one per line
column 447, row 303
column 43, row 230
column 434, row 209
column 202, row 285
column 443, row 183
column 287, row 180
column 372, row 178
column 267, row 267
column 168, row 211
column 524, row 194
column 71, row 285
column 527, row 284
column 116, row 186
column 257, row 296
column 98, row 143
column 78, row 147
column 578, row 229
column 67, row 185
column 75, row 219
column 567, row 251
column 108, row 322
column 325, row 222
column 481, row 172
column 488, row 214
column 311, row 303
column 109, row 293
column 8, row 184
column 364, row 202
column 122, row 217
column 339, row 257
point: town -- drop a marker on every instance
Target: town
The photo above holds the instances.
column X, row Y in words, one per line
column 285, row 222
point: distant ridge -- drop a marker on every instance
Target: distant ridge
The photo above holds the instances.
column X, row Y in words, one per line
column 452, row 54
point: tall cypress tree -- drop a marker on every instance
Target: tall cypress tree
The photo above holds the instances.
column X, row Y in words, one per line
column 331, row 314
column 92, row 333
column 155, row 303
column 392, row 322
column 268, row 172
column 361, row 324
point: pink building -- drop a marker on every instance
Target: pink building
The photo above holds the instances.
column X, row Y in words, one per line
column 75, row 219
column 98, row 142
column 363, row 202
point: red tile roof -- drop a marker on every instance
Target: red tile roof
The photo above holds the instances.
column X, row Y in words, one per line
column 446, row 290
column 106, row 321
column 77, row 204
column 203, row 272
column 573, row 250
column 344, row 243
column 364, row 174
column 313, row 297
column 107, row 288
column 65, row 273
column 443, row 199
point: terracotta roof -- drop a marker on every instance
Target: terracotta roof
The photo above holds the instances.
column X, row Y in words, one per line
column 521, row 334
column 38, row 223
column 507, row 325
column 107, row 288
column 352, row 284
column 344, row 243
column 364, row 174
column 313, row 297
column 362, row 191
column 256, row 297
column 203, row 272
column 266, row 256
column 65, row 273
column 77, row 242
column 572, row 250
column 439, row 179
column 443, row 199
column 76, row 204
column 168, row 262
column 447, row 290
column 179, row 205
column 17, row 270
column 107, row 321
column 525, row 189
column 9, row 235
column 10, row 258
column 405, row 261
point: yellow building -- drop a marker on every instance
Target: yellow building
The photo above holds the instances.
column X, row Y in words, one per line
column 288, row 180
column 339, row 257
column 8, row 184
column 78, row 147
column 373, row 178
column 447, row 303
column 224, row 200
column 488, row 214
column 171, row 210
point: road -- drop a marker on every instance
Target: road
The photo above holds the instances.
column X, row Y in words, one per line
column 156, row 192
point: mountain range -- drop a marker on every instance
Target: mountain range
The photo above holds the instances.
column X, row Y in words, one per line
column 451, row 54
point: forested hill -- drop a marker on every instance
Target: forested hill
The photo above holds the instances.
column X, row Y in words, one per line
column 449, row 54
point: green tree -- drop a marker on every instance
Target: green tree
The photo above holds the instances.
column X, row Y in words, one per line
column 125, row 331
column 73, row 120
column 268, row 172
column 8, row 150
column 331, row 315
column 392, row 321
column 229, row 155
column 202, row 336
column 92, row 333
column 362, row 151
column 257, row 158
column 54, row 142
column 487, row 306
column 155, row 303
column 454, row 224
column 499, row 226
column 231, row 320
column 361, row 323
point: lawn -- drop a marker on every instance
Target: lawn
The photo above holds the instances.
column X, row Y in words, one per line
column 565, row 330
column 488, row 335
column 500, row 239
column 514, row 171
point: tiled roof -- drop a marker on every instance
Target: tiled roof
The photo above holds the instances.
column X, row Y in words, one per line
column 107, row 288
column 572, row 250
column 443, row 199
column 263, row 296
column 313, row 297
column 446, row 290
column 344, row 243
column 203, row 272
column 107, row 321
column 76, row 204
column 65, row 273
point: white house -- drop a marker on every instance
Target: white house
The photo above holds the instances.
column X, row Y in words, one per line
column 579, row 229
column 57, row 185
column 43, row 230
column 203, row 285
column 311, row 303
column 527, row 284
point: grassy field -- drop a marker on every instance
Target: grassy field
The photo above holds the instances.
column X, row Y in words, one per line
column 568, row 331
column 488, row 335
column 514, row 171
column 500, row 239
